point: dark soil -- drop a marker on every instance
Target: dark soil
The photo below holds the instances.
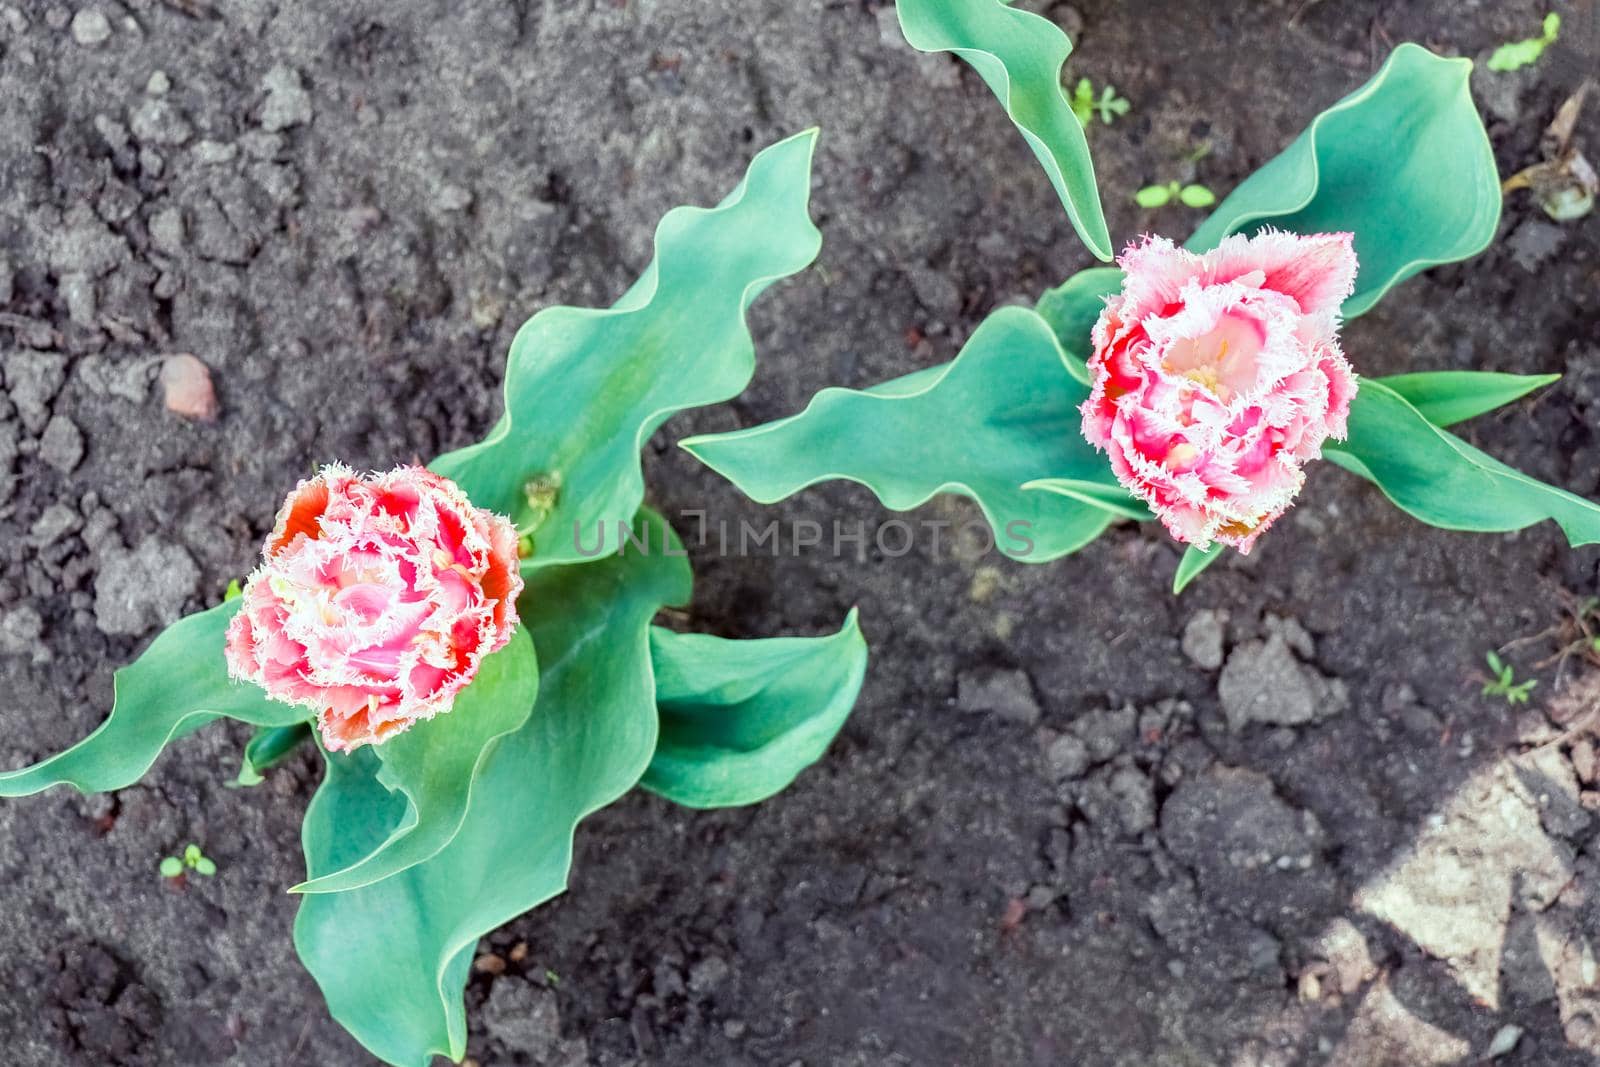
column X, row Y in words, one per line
column 345, row 211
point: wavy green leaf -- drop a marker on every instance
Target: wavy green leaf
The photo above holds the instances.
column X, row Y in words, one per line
column 585, row 387
column 267, row 746
column 1446, row 397
column 1438, row 478
column 178, row 685
column 1403, row 162
column 1193, row 562
column 741, row 719
column 1003, row 413
column 1019, row 55
column 1111, row 498
column 1073, row 307
column 392, row 958
column 436, row 766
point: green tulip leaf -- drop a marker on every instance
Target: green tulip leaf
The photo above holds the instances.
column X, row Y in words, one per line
column 1019, row 55
column 1003, row 413
column 1446, row 397
column 436, row 766
column 392, row 958
column 741, row 719
column 178, row 685
column 1438, row 478
column 585, row 387
column 1403, row 162
column 1073, row 307
column 1193, row 562
column 268, row 746
column 1112, row 498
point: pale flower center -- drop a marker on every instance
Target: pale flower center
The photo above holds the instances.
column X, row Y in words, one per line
column 1223, row 361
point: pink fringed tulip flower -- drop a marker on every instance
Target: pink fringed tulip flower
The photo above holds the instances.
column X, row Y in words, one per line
column 1216, row 377
column 376, row 601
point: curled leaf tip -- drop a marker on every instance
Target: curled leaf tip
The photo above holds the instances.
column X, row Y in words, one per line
column 1019, row 55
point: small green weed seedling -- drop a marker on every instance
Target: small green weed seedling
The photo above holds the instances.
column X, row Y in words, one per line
column 1504, row 683
column 1154, row 196
column 1518, row 54
column 193, row 860
column 1109, row 106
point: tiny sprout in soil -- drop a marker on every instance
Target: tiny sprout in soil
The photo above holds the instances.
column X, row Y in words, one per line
column 193, row 860
column 1504, row 683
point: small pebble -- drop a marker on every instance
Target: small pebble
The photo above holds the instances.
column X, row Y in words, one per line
column 186, row 386
column 1505, row 1039
column 1202, row 639
column 159, row 84
column 90, row 27
column 62, row 444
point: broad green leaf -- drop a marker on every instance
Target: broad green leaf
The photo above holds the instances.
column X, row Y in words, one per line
column 1403, row 162
column 1193, row 562
column 392, row 958
column 269, row 745
column 1114, row 499
column 1446, row 397
column 1072, row 308
column 1435, row 476
column 740, row 719
column 178, row 685
column 1002, row 413
column 436, row 766
column 1019, row 55
column 585, row 387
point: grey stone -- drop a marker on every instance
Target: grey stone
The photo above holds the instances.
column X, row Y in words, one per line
column 90, row 27
column 61, row 446
column 1263, row 682
column 129, row 379
column 453, row 198
column 167, row 230
column 159, row 84
column 1294, row 635
column 287, row 104
column 158, row 121
column 1007, row 693
column 1119, row 799
column 1106, row 732
column 1534, row 243
column 112, row 132
column 55, row 522
column 1067, row 757
column 1203, row 638
column 935, row 291
column 211, row 153
column 1255, row 856
column 707, row 974
column 85, row 244
column 139, row 590
column 77, row 292
column 261, row 145
column 1504, row 1041
column 32, row 380
column 22, row 633
column 524, row 1018
column 8, row 456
